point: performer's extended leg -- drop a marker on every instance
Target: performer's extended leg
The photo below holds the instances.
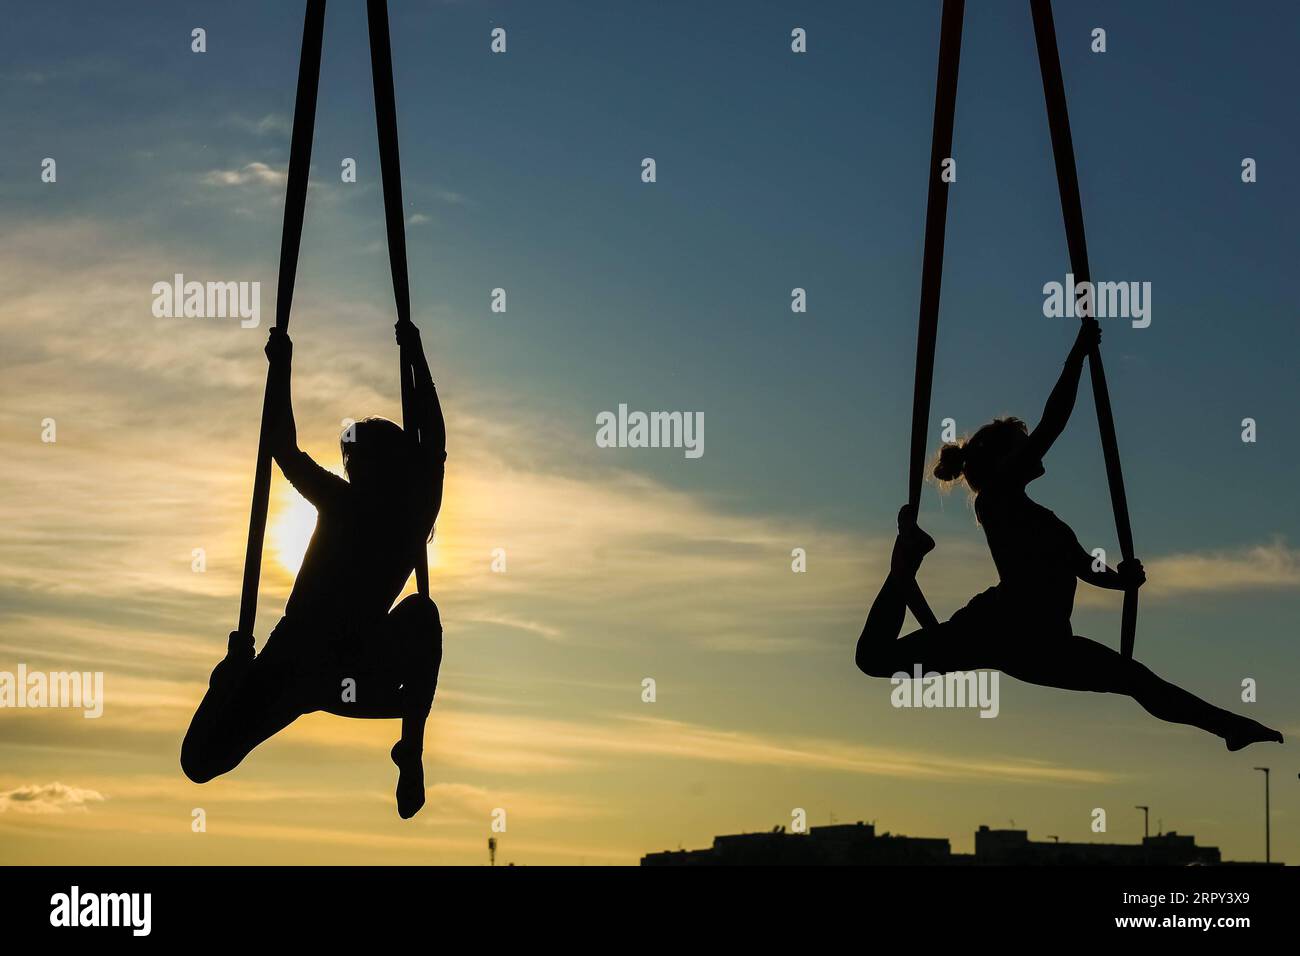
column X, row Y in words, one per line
column 1077, row 663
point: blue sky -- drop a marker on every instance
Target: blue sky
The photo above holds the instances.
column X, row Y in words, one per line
column 774, row 171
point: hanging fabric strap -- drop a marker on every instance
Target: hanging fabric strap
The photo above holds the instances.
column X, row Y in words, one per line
column 1067, row 178
column 390, row 167
column 295, row 205
column 936, row 219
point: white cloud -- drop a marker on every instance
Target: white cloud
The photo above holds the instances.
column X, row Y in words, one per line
column 1271, row 566
column 259, row 174
column 1259, row 567
column 47, row 798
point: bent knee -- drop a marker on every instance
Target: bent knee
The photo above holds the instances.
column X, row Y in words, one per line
column 416, row 625
column 416, row 615
column 874, row 663
column 200, row 765
column 197, row 769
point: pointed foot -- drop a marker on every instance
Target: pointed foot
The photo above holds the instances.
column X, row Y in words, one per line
column 1251, row 732
column 410, row 780
column 912, row 544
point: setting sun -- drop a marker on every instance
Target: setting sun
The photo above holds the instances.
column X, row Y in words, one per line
column 292, row 529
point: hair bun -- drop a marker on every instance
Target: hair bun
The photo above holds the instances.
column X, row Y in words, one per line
column 951, row 463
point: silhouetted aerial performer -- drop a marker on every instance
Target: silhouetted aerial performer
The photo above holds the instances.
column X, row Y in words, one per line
column 337, row 625
column 1022, row 625
column 339, row 647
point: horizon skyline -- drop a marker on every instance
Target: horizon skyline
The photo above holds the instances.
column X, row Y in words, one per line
column 1013, row 828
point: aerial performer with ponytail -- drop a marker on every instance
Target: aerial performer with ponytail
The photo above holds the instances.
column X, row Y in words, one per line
column 1021, row 626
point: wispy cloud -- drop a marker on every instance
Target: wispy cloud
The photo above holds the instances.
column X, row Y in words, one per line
column 258, row 174
column 669, row 738
column 271, row 123
column 522, row 745
column 48, row 798
column 1258, row 567
column 1267, row 566
column 672, row 739
column 531, row 627
column 464, row 802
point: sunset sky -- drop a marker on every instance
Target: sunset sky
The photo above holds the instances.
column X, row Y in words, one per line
column 522, row 171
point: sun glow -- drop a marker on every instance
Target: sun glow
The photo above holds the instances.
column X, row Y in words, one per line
column 291, row 532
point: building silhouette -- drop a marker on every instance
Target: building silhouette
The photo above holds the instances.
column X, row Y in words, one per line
column 858, row 844
column 1014, row 848
column 848, row 844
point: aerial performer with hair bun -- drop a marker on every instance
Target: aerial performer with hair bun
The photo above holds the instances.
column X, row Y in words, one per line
column 1021, row 626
